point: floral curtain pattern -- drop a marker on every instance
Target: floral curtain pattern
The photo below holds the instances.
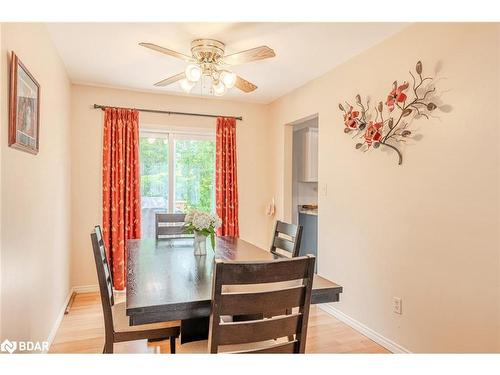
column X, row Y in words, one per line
column 226, row 185
column 121, row 209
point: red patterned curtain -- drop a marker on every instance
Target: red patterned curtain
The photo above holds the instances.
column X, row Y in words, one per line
column 226, row 177
column 121, row 211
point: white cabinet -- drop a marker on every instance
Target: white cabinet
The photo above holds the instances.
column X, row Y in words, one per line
column 308, row 161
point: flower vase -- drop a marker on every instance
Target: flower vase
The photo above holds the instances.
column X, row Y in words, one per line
column 199, row 243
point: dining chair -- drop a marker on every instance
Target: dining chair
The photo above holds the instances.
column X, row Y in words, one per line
column 170, row 225
column 116, row 321
column 291, row 244
column 253, row 288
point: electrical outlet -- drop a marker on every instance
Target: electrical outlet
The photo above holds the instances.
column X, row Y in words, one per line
column 397, row 305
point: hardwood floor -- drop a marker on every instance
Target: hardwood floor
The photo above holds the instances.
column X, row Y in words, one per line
column 82, row 331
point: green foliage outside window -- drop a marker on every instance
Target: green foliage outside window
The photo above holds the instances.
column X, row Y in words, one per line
column 154, row 167
column 194, row 172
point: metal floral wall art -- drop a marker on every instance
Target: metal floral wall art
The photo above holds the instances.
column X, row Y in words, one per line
column 389, row 125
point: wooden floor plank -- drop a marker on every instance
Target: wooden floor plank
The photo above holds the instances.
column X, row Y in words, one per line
column 82, row 331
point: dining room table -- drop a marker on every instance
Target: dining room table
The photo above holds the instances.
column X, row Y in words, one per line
column 166, row 281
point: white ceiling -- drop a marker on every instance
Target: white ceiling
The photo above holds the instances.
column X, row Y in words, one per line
column 107, row 54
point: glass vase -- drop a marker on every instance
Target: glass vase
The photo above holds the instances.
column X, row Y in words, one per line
column 200, row 244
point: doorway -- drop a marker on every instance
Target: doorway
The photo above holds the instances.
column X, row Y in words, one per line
column 301, row 160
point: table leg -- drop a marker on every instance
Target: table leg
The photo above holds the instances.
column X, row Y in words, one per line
column 194, row 329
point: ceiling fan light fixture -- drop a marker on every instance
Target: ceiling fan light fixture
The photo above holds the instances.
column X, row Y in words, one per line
column 186, row 85
column 219, row 88
column 193, row 73
column 228, row 78
column 207, row 57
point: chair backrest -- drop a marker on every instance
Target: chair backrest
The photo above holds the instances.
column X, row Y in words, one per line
column 290, row 244
column 104, row 277
column 169, row 225
column 255, row 288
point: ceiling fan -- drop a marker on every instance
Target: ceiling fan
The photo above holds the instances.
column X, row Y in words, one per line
column 208, row 60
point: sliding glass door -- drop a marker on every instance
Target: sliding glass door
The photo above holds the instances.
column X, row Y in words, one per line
column 177, row 174
column 154, row 159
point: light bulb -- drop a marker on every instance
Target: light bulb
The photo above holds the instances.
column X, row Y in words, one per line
column 186, row 85
column 219, row 88
column 193, row 73
column 228, row 78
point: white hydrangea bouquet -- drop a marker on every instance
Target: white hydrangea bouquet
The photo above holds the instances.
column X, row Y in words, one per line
column 201, row 224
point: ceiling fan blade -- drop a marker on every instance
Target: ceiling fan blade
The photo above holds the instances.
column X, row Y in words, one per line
column 254, row 54
column 244, row 85
column 166, row 51
column 171, row 80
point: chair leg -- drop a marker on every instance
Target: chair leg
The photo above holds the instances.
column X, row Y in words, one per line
column 108, row 347
column 172, row 344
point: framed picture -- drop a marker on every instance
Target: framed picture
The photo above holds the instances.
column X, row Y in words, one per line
column 24, row 108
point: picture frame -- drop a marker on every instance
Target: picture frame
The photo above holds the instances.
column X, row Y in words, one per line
column 24, row 108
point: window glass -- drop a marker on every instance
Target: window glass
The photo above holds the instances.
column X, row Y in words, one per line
column 194, row 174
column 190, row 178
column 154, row 180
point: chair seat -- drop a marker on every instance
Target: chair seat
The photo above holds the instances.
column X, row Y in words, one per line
column 121, row 321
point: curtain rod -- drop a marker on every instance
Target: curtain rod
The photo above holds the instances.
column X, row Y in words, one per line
column 103, row 107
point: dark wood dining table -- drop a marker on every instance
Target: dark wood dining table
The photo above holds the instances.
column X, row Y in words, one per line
column 166, row 281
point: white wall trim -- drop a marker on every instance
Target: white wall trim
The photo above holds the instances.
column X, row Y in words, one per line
column 60, row 315
column 58, row 320
column 86, row 288
column 360, row 327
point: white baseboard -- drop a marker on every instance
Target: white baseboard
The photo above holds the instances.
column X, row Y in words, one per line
column 86, row 288
column 60, row 315
column 360, row 327
column 58, row 320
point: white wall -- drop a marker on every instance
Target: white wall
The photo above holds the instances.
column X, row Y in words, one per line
column 426, row 231
column 35, row 194
column 253, row 157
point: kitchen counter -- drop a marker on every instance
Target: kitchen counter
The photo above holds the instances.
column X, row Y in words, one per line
column 308, row 211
